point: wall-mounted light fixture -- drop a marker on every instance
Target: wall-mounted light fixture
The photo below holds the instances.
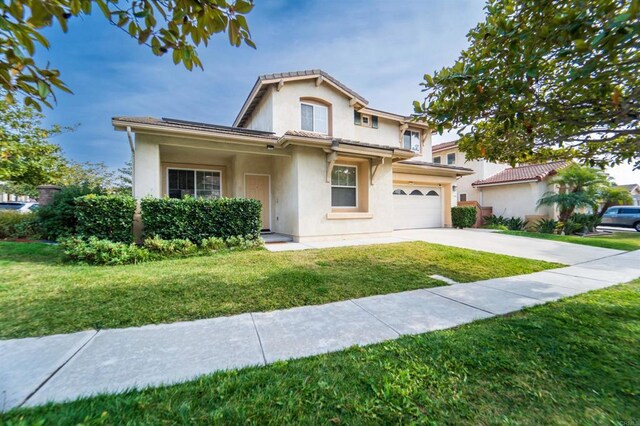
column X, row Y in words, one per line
column 270, row 147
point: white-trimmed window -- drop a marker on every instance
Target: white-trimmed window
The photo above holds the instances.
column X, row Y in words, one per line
column 411, row 140
column 463, row 197
column 314, row 117
column 344, row 186
column 451, row 158
column 437, row 160
column 194, row 183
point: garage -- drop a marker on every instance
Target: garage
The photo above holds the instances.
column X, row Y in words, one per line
column 417, row 207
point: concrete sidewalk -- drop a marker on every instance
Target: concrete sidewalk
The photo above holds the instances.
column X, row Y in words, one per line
column 58, row 368
column 474, row 239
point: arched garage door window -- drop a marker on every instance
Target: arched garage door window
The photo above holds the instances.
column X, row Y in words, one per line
column 399, row 192
column 432, row 193
column 416, row 192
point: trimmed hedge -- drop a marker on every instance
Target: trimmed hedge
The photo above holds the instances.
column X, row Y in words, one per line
column 463, row 217
column 106, row 217
column 58, row 219
column 196, row 219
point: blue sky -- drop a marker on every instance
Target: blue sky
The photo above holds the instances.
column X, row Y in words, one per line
column 381, row 49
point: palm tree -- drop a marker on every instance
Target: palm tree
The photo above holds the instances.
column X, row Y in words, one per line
column 612, row 196
column 579, row 187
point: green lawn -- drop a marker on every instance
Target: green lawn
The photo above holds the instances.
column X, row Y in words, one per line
column 39, row 295
column 618, row 240
column 575, row 361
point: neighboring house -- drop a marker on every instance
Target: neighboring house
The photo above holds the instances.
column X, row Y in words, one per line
column 449, row 154
column 634, row 190
column 516, row 191
column 321, row 161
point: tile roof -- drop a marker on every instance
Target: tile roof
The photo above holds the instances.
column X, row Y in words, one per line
column 524, row 173
column 194, row 125
column 629, row 186
column 312, row 73
column 436, row 165
column 443, row 146
column 339, row 141
column 259, row 89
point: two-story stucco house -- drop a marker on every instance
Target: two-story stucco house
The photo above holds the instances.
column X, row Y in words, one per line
column 321, row 161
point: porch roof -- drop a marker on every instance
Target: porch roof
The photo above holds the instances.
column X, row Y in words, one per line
column 121, row 123
column 433, row 167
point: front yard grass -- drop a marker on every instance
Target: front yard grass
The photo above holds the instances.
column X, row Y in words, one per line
column 618, row 240
column 576, row 361
column 39, row 295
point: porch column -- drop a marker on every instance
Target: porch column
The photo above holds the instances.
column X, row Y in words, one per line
column 148, row 179
column 446, row 201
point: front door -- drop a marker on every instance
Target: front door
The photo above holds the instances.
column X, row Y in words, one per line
column 258, row 188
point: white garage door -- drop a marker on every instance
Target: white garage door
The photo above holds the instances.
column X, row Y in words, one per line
column 417, row 207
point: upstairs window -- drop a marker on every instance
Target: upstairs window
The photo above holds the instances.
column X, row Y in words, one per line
column 451, row 158
column 365, row 120
column 314, row 118
column 411, row 140
column 344, row 186
column 437, row 160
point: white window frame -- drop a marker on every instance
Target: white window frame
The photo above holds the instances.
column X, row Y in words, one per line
column 315, row 107
column 439, row 157
column 454, row 158
column 195, row 182
column 419, row 133
column 353, row 166
column 368, row 118
column 462, row 194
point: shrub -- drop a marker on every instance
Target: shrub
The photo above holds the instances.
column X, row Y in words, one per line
column 496, row 227
column 106, row 217
column 196, row 219
column 570, row 227
column 213, row 244
column 168, row 248
column 58, row 219
column 588, row 221
column 463, row 217
column 19, row 225
column 516, row 224
column 546, row 226
column 94, row 251
column 494, row 220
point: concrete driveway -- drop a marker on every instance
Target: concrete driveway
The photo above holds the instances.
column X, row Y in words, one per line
column 493, row 242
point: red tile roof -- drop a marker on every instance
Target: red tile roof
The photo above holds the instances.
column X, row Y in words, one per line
column 529, row 172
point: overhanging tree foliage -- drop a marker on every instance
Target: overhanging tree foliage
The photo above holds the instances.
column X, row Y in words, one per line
column 545, row 79
column 176, row 26
column 26, row 155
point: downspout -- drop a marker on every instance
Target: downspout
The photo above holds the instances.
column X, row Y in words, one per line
column 133, row 161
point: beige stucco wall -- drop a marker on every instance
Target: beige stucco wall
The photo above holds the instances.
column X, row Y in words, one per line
column 482, row 170
column 262, row 116
column 314, row 201
column 146, row 168
column 517, row 200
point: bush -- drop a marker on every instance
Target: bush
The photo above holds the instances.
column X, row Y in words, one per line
column 496, row 227
column 19, row 225
column 463, row 217
column 106, row 217
column 546, row 226
column 213, row 244
column 588, row 221
column 516, row 224
column 494, row 220
column 196, row 219
column 58, row 219
column 94, row 251
column 168, row 248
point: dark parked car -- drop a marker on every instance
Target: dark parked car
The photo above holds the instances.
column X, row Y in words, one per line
column 622, row 216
